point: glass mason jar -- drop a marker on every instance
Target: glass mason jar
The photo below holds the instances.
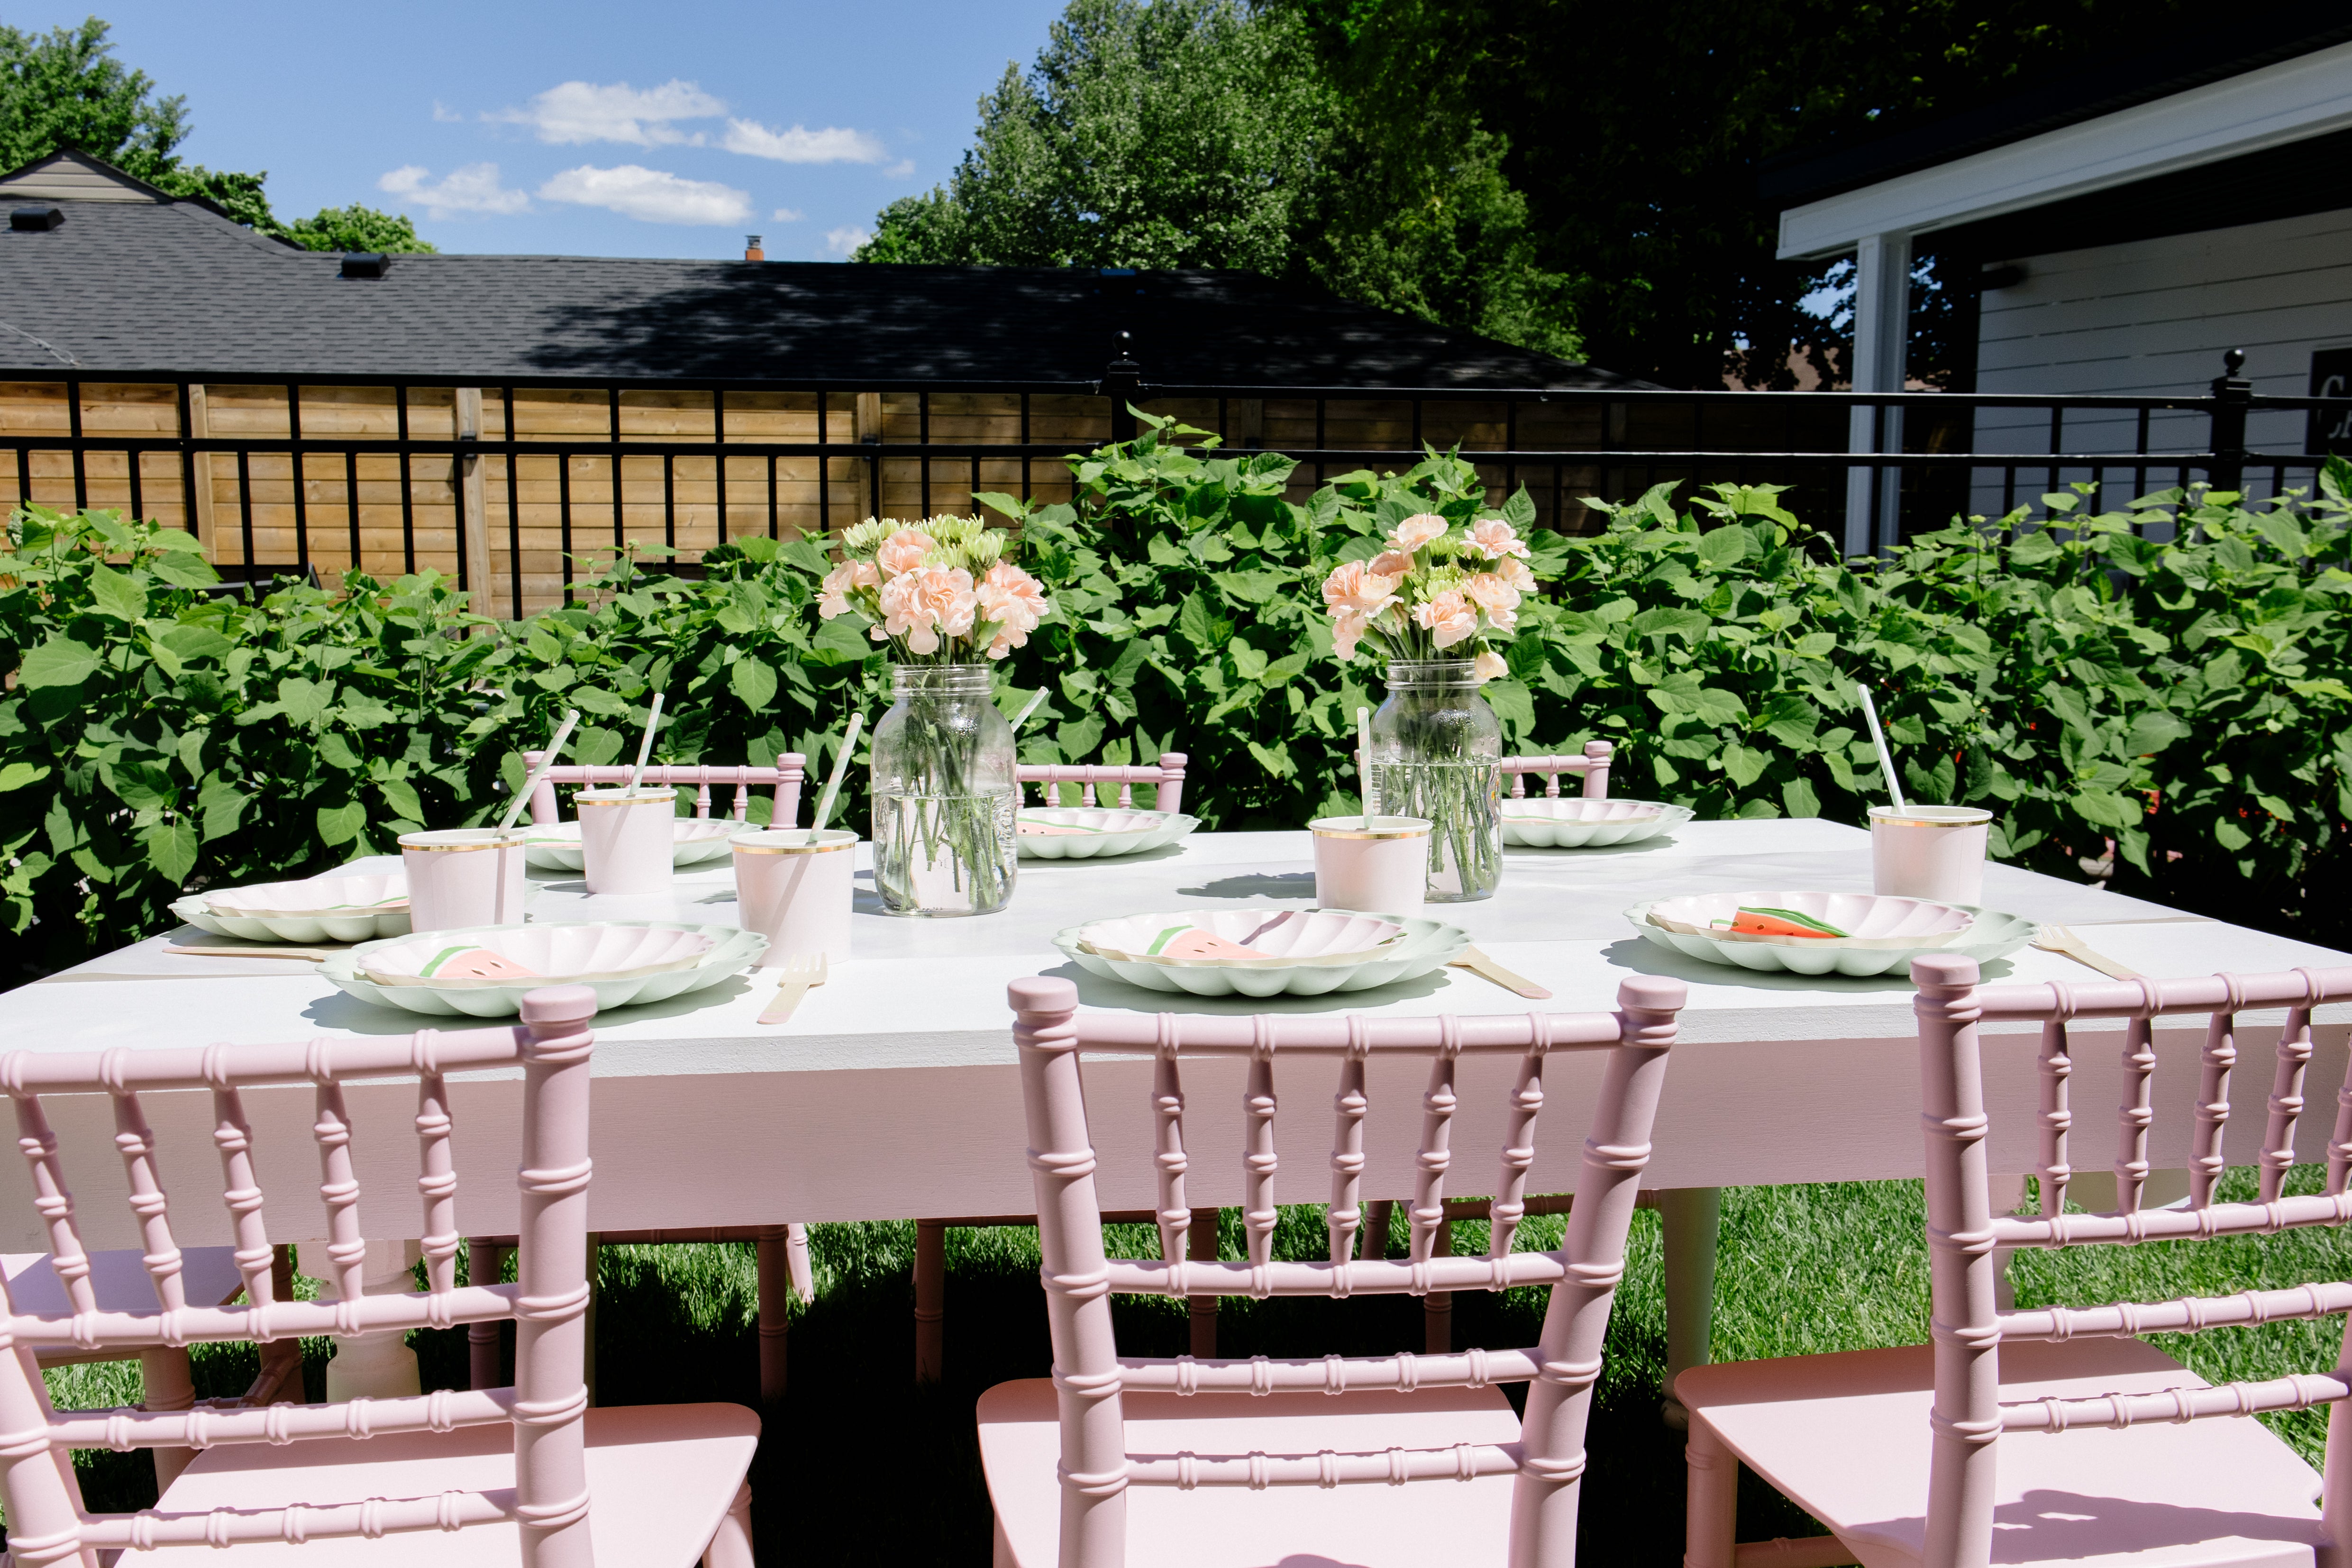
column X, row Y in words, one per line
column 943, row 794
column 1435, row 747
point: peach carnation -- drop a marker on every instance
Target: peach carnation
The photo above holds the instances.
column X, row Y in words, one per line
column 904, row 551
column 1448, row 617
column 1489, row 665
column 927, row 604
column 1496, row 598
column 1514, row 571
column 1014, row 602
column 1350, row 590
column 839, row 583
column 1417, row 531
column 1393, row 563
column 1495, row 538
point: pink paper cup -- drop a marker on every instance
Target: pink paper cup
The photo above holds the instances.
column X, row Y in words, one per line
column 463, row 877
column 1379, row 864
column 1929, row 852
column 796, row 893
column 628, row 840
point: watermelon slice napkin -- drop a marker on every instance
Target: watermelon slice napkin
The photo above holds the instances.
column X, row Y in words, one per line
column 468, row 962
column 1780, row 923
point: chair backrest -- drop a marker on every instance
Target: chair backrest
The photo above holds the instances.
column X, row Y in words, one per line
column 1962, row 1231
column 46, row 1520
column 1167, row 775
column 784, row 779
column 1593, row 764
column 1089, row 1374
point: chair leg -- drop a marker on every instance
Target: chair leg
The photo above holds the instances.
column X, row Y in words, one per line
column 1372, row 1239
column 1200, row 1245
column 1437, row 1307
column 731, row 1547
column 930, row 1300
column 167, row 1383
column 775, row 1310
column 484, row 1360
column 280, row 1377
column 796, row 1263
column 1712, row 1516
column 589, row 1350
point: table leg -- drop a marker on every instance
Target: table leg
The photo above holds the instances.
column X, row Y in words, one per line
column 486, row 1363
column 167, row 1383
column 1200, row 1245
column 1688, row 1217
column 930, row 1300
column 775, row 1286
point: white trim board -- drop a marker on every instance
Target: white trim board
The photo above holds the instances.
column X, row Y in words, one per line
column 2310, row 95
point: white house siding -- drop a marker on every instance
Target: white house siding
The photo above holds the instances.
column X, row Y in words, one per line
column 2153, row 318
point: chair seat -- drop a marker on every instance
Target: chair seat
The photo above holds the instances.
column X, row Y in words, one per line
column 1845, row 1438
column 121, row 1283
column 662, row 1476
column 1466, row 1522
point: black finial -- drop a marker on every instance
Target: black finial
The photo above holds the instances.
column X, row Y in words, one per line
column 2234, row 361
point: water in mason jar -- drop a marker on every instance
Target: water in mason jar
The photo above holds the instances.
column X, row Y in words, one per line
column 945, row 853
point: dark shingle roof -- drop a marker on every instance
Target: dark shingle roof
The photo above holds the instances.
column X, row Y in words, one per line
column 170, row 286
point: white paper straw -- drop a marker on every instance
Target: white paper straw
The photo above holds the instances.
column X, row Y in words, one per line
column 555, row 750
column 840, row 766
column 1035, row 701
column 646, row 746
column 1878, row 739
column 1364, row 785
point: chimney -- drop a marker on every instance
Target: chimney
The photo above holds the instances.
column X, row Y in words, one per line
column 751, row 251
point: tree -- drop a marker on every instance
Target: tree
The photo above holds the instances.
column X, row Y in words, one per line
column 1165, row 133
column 66, row 89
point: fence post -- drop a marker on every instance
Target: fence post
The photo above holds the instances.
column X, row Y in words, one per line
column 1122, row 382
column 473, row 514
column 200, row 468
column 2232, row 394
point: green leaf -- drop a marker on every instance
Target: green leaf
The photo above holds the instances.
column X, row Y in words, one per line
column 192, row 643
column 843, row 640
column 338, row 824
column 1275, row 759
column 171, row 849
column 1195, row 623
column 223, row 804
column 17, row 775
column 1712, row 705
column 306, row 701
column 1726, row 546
column 58, row 661
column 1513, row 703
column 401, row 795
column 1798, row 795
column 1743, row 766
column 116, row 594
column 1791, row 719
column 754, row 683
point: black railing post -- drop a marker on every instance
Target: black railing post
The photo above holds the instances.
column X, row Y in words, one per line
column 1122, row 382
column 2226, row 465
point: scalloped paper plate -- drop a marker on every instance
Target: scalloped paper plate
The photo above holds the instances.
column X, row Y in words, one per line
column 552, row 953
column 1425, row 946
column 1572, row 822
column 735, row 952
column 1095, row 833
column 555, row 846
column 1272, row 938
column 1886, row 940
column 361, row 913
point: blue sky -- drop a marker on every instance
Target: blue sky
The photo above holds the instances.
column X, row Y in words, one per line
column 582, row 128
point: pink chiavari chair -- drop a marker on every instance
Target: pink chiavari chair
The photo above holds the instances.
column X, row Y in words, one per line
column 1167, row 776
column 1594, row 765
column 783, row 1255
column 784, row 779
column 1121, row 1459
column 527, row 1474
column 1908, row 1455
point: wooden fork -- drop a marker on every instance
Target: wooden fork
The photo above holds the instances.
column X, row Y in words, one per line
column 799, row 974
column 2062, row 940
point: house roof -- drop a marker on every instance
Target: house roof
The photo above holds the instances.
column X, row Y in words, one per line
column 2082, row 91
column 134, row 280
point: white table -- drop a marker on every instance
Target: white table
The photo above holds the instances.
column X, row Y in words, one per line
column 894, row 1090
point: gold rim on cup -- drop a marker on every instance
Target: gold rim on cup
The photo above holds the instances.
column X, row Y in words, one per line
column 1404, row 827
column 618, row 795
column 756, row 841
column 496, row 841
column 1916, row 816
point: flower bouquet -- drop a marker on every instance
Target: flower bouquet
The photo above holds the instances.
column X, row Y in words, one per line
column 1436, row 604
column 945, row 599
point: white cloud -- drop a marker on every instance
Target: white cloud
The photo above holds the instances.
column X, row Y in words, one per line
column 789, row 215
column 842, row 241
column 472, row 189
column 900, row 170
column 833, row 144
column 650, row 195
column 444, row 115
column 577, row 111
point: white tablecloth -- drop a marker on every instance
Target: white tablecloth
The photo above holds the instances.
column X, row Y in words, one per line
column 893, row 1091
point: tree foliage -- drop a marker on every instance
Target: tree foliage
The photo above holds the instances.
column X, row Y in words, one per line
column 1167, row 133
column 65, row 87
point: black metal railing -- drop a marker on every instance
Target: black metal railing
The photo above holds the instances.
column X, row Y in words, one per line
column 1889, row 463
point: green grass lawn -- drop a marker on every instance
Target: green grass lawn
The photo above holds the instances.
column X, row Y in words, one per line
column 859, row 1465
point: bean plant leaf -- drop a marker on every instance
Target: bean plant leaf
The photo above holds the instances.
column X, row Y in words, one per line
column 58, row 661
column 117, row 594
column 170, row 848
column 754, row 683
